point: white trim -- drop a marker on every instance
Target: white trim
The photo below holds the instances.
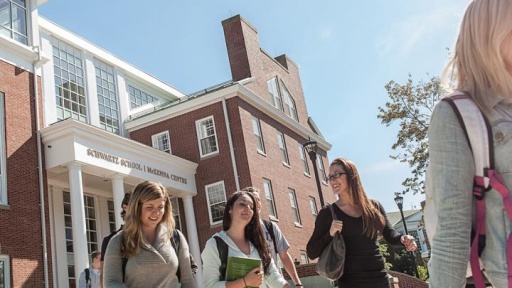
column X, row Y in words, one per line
column 295, row 206
column 208, row 199
column 7, row 270
column 258, row 135
column 3, row 155
column 200, row 137
column 265, row 180
column 236, row 90
column 155, row 143
column 282, row 141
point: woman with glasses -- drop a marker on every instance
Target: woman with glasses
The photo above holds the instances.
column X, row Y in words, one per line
column 141, row 255
column 360, row 221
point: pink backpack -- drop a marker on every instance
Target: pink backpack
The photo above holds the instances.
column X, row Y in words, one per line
column 479, row 134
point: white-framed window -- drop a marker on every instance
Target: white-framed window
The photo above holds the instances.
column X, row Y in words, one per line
column 111, row 216
column 273, row 92
column 5, row 271
column 91, row 224
column 258, row 136
column 139, row 98
column 289, row 104
column 176, row 212
column 68, row 72
column 3, row 169
column 282, row 146
column 321, row 169
column 314, row 209
column 68, row 230
column 304, row 257
column 295, row 207
column 206, row 136
column 305, row 165
column 269, row 198
column 106, row 90
column 13, row 20
column 161, row 141
column 216, row 197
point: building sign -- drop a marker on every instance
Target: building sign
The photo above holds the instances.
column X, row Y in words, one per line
column 134, row 165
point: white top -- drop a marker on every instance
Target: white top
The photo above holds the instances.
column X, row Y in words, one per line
column 211, row 264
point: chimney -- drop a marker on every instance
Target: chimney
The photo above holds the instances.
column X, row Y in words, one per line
column 243, row 46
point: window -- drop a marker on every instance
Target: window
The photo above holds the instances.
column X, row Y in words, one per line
column 282, row 146
column 68, row 229
column 321, row 168
column 216, row 196
column 312, row 203
column 206, row 136
column 256, row 128
column 139, row 98
column 269, row 197
column 161, row 141
column 68, row 71
column 107, row 97
column 176, row 212
column 3, row 169
column 304, row 257
column 273, row 92
column 111, row 216
column 295, row 207
column 289, row 104
column 90, row 224
column 305, row 165
column 5, row 271
column 13, row 20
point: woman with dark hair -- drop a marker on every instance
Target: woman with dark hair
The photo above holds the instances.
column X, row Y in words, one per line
column 361, row 220
column 244, row 237
column 144, row 244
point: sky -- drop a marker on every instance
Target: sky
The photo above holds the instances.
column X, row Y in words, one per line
column 346, row 52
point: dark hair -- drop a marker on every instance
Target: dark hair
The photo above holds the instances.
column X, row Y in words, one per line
column 95, row 254
column 126, row 201
column 373, row 220
column 253, row 231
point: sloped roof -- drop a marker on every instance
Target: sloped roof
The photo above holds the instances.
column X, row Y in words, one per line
column 395, row 217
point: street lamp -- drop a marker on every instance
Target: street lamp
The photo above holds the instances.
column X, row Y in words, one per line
column 399, row 200
column 311, row 147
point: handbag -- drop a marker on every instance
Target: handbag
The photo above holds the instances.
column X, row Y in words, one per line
column 332, row 260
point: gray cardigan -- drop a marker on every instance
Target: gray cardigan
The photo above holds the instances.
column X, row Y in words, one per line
column 154, row 265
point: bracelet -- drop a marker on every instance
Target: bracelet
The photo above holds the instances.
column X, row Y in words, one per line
column 245, row 284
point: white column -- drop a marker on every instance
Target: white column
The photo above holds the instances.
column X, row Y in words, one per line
column 118, row 191
column 81, row 256
column 193, row 239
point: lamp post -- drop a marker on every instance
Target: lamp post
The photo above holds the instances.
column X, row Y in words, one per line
column 399, row 200
column 311, row 147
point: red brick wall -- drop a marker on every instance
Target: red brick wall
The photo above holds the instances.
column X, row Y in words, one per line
column 20, row 222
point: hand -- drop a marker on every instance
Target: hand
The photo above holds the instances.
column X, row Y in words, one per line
column 409, row 242
column 255, row 277
column 336, row 226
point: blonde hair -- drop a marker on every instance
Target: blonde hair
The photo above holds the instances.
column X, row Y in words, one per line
column 132, row 231
column 477, row 66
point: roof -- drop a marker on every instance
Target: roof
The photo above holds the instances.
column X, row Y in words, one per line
column 395, row 217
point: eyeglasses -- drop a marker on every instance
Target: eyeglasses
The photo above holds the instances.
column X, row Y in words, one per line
column 335, row 176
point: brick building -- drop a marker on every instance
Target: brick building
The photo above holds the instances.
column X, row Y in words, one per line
column 62, row 178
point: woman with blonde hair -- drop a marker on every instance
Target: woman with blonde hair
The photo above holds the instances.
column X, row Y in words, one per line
column 142, row 255
column 482, row 69
column 360, row 221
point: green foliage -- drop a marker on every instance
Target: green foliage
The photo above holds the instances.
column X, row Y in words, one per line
column 383, row 247
column 411, row 105
column 399, row 260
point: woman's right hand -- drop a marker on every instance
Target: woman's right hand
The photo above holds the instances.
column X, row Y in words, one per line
column 254, row 278
column 336, row 226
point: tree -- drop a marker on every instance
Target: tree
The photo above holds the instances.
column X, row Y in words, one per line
column 412, row 105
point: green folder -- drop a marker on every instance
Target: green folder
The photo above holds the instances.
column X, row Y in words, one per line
column 238, row 267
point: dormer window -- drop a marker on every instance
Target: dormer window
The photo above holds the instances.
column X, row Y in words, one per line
column 289, row 104
column 13, row 20
column 273, row 92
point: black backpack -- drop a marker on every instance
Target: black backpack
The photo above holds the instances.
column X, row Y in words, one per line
column 87, row 277
column 270, row 228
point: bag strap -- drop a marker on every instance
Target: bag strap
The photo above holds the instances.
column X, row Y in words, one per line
column 222, row 248
column 87, row 277
column 175, row 242
column 270, row 228
column 334, row 217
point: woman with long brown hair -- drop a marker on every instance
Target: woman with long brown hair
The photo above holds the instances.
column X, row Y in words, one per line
column 144, row 244
column 361, row 220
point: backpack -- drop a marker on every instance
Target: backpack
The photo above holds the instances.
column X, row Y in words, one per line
column 479, row 135
column 87, row 277
column 270, row 228
column 175, row 242
column 222, row 248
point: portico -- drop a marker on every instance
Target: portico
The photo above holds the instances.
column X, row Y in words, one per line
column 88, row 172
